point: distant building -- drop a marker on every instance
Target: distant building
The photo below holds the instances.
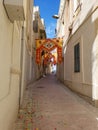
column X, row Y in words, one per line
column 39, row 32
column 78, row 25
column 38, row 24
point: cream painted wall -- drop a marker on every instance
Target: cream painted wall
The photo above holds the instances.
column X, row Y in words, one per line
column 85, row 31
column 11, row 66
column 27, row 65
column 95, row 59
column 87, row 7
column 86, row 35
column 9, row 82
column 5, row 51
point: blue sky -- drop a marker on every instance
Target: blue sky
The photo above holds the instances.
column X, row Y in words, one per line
column 47, row 9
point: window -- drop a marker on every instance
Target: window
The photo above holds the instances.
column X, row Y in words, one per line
column 77, row 58
column 35, row 26
column 77, row 7
column 76, row 4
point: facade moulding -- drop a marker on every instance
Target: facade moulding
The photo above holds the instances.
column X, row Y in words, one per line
column 15, row 71
column 82, row 83
column 93, row 11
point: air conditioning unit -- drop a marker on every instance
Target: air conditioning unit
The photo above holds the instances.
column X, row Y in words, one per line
column 14, row 9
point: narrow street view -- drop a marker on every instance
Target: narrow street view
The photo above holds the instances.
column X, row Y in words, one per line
column 49, row 65
column 49, row 105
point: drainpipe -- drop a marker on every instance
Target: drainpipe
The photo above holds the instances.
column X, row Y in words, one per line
column 21, row 65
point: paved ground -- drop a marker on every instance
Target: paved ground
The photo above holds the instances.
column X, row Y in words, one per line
column 49, row 105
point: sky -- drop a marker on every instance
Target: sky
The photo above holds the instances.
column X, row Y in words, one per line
column 48, row 8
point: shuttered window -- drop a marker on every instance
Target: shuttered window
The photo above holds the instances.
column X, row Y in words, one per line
column 77, row 58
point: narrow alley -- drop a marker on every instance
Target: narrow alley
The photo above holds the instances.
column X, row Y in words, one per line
column 49, row 105
column 49, row 65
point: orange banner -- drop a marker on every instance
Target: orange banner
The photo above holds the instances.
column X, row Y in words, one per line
column 38, row 56
column 48, row 45
column 59, row 54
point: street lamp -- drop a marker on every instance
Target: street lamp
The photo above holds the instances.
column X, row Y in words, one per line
column 55, row 16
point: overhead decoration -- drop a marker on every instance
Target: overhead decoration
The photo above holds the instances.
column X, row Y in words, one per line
column 50, row 58
column 45, row 46
column 38, row 56
column 59, row 51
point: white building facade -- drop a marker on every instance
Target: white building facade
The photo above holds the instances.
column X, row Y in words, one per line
column 80, row 45
column 16, row 57
column 39, row 32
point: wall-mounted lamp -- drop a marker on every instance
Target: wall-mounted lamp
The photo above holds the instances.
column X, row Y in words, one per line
column 55, row 16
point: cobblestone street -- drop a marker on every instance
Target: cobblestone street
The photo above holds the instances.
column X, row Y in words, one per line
column 49, row 105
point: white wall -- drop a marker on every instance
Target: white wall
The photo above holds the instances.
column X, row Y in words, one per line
column 95, row 58
column 11, row 66
column 86, row 35
column 9, row 70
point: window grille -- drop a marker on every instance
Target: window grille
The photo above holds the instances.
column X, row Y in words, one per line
column 77, row 58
